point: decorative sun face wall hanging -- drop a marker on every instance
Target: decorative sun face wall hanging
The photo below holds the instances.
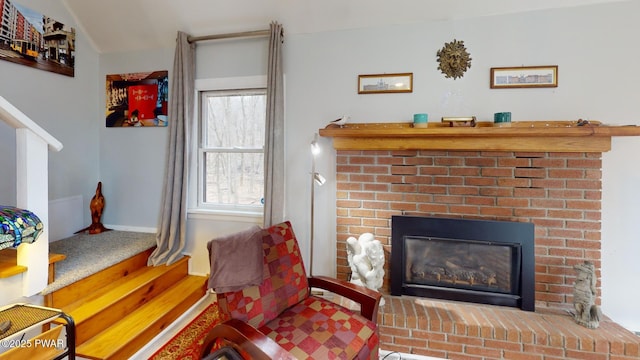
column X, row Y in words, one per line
column 454, row 59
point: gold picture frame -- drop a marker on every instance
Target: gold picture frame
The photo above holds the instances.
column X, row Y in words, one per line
column 524, row 77
column 385, row 83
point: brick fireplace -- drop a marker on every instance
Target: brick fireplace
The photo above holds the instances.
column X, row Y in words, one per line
column 559, row 192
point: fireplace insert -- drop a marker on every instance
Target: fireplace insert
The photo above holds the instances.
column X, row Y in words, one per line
column 482, row 261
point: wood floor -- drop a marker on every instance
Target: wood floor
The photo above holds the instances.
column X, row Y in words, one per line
column 120, row 309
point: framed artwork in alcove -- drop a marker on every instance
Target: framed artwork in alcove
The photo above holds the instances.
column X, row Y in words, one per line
column 137, row 99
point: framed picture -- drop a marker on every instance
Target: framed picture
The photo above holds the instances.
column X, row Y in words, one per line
column 34, row 39
column 524, row 77
column 385, row 83
column 137, row 99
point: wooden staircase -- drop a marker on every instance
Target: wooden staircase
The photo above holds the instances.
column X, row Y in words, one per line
column 120, row 309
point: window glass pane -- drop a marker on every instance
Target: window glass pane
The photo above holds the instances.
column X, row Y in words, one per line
column 235, row 120
column 234, row 178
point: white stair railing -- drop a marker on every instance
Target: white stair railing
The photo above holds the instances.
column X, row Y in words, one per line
column 32, row 193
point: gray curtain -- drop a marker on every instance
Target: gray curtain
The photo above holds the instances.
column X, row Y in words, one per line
column 274, row 134
column 171, row 235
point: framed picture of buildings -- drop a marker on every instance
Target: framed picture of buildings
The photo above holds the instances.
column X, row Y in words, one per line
column 385, row 83
column 524, row 77
column 36, row 40
column 137, row 99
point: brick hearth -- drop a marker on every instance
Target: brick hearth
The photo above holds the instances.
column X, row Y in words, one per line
column 559, row 192
column 455, row 330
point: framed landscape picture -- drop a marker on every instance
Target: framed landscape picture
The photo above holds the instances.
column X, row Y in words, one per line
column 524, row 77
column 137, row 99
column 385, row 83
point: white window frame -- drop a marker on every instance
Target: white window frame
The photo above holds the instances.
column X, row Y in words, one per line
column 195, row 201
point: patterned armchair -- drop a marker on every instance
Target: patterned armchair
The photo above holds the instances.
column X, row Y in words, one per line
column 281, row 319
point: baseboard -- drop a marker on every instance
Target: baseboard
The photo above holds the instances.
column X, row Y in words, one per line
column 131, row 228
column 66, row 217
column 173, row 329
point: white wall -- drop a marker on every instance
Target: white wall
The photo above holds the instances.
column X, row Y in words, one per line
column 132, row 160
column 621, row 232
column 593, row 46
column 64, row 106
column 594, row 49
column 8, row 147
column 66, row 216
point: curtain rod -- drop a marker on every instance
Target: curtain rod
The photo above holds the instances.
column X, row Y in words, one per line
column 254, row 33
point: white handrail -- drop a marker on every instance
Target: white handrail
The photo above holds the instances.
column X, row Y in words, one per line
column 18, row 120
column 32, row 146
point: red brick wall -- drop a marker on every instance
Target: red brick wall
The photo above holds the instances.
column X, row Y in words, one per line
column 559, row 192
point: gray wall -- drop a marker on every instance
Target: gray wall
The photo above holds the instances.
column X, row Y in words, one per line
column 65, row 107
column 593, row 47
column 131, row 159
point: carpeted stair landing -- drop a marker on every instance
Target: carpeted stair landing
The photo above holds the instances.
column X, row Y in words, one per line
column 88, row 254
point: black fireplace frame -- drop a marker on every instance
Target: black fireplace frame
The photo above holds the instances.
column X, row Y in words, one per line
column 519, row 234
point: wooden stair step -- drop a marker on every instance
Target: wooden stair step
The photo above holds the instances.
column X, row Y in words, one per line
column 71, row 293
column 107, row 306
column 132, row 332
column 132, row 279
column 9, row 263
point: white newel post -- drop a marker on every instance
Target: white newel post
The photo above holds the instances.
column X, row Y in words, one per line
column 32, row 176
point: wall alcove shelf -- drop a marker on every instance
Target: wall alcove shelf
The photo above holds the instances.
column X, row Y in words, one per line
column 530, row 136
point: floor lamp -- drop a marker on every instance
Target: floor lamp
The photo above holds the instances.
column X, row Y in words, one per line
column 316, row 178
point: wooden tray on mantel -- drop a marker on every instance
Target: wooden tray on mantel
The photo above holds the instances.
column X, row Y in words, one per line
column 529, row 136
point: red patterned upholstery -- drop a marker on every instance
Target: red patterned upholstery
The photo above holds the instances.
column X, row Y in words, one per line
column 319, row 329
column 308, row 327
column 286, row 284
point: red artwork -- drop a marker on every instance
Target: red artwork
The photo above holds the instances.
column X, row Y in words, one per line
column 137, row 99
column 142, row 103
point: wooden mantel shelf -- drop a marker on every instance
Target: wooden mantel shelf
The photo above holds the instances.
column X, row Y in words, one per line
column 537, row 136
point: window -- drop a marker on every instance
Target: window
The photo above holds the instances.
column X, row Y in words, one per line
column 230, row 167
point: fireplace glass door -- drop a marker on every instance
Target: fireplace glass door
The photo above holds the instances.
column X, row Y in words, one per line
column 462, row 264
column 483, row 261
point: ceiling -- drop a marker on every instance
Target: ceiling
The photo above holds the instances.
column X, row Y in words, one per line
column 130, row 25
